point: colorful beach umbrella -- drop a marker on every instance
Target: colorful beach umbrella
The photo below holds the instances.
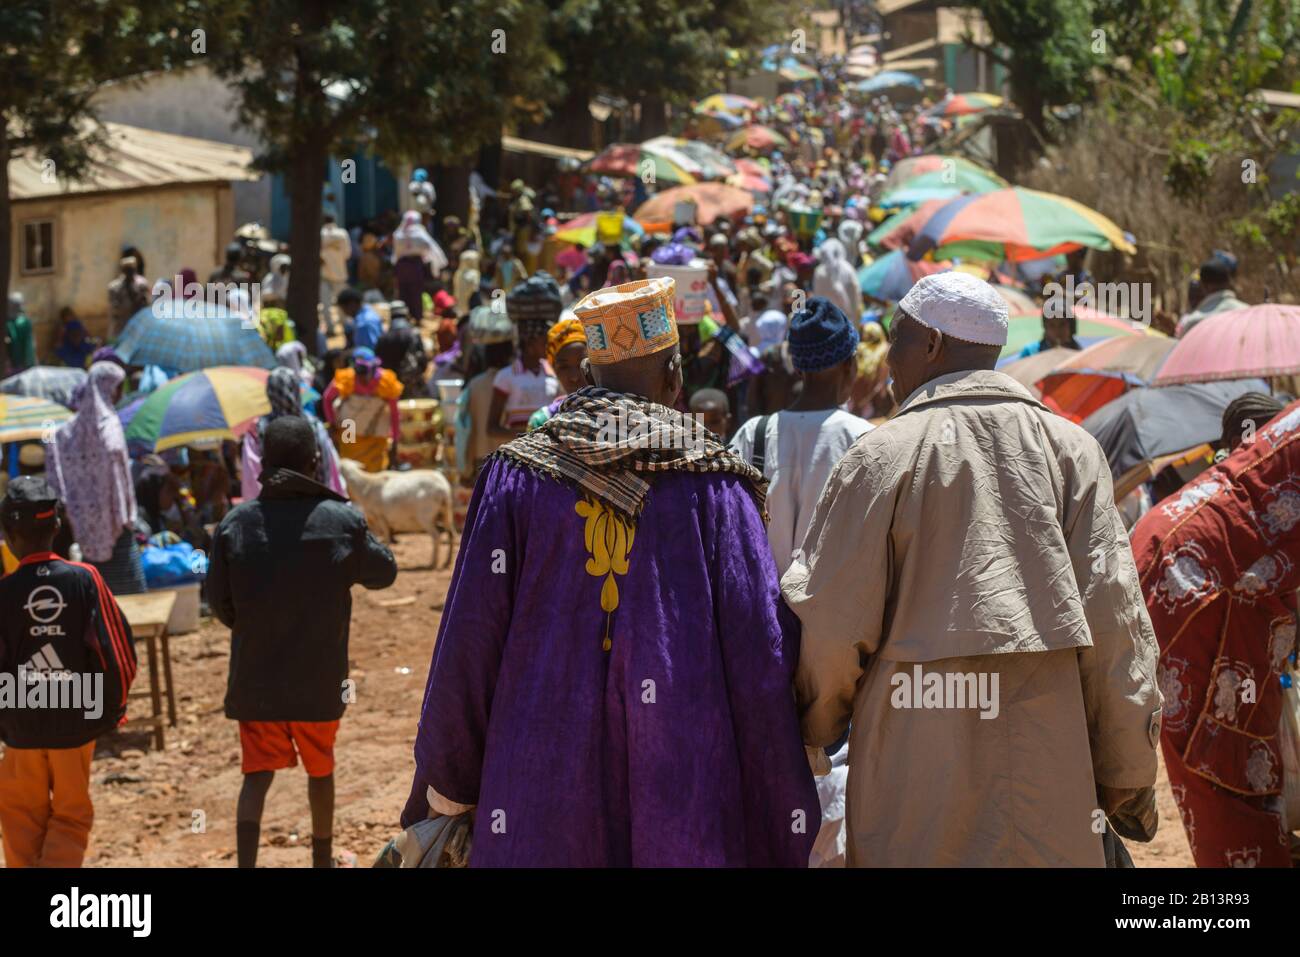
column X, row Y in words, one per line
column 757, row 137
column 581, row 230
column 1031, row 368
column 23, row 418
column 893, row 274
column 164, row 335
column 716, row 122
column 966, row 104
column 1027, row 223
column 1261, row 340
column 1101, row 373
column 1019, row 302
column 751, row 176
column 889, row 80
column 942, row 184
column 712, row 200
column 632, row 160
column 56, row 383
column 211, row 404
column 699, row 159
column 727, row 103
column 899, row 229
column 911, row 167
column 1093, row 326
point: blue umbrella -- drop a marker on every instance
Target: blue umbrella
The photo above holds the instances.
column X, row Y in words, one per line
column 890, row 276
column 169, row 334
column 888, row 80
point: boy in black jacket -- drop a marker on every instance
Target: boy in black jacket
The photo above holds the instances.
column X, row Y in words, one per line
column 67, row 661
column 280, row 578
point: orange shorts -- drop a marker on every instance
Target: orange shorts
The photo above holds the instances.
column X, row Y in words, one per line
column 270, row 746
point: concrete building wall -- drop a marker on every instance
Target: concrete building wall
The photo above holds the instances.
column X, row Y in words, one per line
column 191, row 101
column 173, row 227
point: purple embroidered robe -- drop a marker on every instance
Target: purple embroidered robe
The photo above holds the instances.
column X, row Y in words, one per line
column 680, row 745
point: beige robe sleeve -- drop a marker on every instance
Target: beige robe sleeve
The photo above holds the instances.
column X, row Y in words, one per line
column 1120, row 694
column 838, row 584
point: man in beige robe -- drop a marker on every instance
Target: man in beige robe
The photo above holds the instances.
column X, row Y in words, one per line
column 969, row 602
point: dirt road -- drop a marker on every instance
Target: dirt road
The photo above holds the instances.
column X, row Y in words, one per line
column 176, row 808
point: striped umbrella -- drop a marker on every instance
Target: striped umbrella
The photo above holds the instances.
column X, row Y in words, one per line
column 23, row 418
column 166, row 337
column 727, row 103
column 1093, row 326
column 965, row 104
column 581, row 230
column 898, row 230
column 893, row 274
column 217, row 403
column 1029, row 225
column 56, row 383
column 1261, row 340
column 942, row 184
column 1087, row 380
column 913, row 166
column 629, row 159
column 889, row 80
column 712, row 200
column 757, row 137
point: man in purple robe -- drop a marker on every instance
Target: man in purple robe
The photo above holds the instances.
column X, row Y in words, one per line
column 612, row 680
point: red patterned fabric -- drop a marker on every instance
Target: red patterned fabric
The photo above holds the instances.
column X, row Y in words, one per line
column 1219, row 564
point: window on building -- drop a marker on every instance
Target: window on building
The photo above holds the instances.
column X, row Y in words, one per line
column 38, row 247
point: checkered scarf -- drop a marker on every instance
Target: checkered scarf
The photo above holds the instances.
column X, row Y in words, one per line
column 609, row 445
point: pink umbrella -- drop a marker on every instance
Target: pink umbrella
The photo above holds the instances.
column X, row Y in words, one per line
column 1258, row 341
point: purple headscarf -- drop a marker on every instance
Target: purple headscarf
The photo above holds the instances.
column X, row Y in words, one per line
column 87, row 464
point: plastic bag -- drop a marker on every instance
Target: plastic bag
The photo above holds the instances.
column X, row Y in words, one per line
column 170, row 565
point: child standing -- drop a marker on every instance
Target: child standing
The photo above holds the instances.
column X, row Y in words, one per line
column 282, row 569
column 68, row 660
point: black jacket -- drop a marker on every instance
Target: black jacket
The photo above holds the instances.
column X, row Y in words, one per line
column 280, row 578
column 62, row 635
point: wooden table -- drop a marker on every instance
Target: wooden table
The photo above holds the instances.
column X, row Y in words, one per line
column 148, row 614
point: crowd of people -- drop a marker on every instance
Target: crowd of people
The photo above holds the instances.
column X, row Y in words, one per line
column 798, row 577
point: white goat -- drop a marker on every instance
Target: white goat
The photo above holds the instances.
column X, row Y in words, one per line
column 415, row 501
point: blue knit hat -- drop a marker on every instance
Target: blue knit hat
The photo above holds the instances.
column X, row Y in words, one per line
column 821, row 336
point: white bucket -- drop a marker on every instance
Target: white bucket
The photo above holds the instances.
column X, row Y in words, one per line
column 692, row 294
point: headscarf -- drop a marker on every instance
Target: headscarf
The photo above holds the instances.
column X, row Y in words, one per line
column 835, row 279
column 564, row 333
column 412, row 239
column 291, row 355
column 284, row 394
column 88, row 465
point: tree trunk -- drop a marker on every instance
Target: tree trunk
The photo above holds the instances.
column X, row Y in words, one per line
column 573, row 119
column 654, row 117
column 6, row 240
column 306, row 173
column 452, row 184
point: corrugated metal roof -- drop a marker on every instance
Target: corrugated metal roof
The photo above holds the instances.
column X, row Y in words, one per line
column 135, row 158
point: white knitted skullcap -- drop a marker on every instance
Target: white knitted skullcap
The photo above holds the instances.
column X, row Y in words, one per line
column 958, row 305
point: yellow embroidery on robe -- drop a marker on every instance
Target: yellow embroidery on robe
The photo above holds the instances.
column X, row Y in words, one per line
column 608, row 537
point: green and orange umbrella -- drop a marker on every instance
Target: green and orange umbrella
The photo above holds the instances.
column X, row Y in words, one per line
column 212, row 404
column 757, row 137
column 966, row 104
column 23, row 417
column 1026, row 223
column 630, row 159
